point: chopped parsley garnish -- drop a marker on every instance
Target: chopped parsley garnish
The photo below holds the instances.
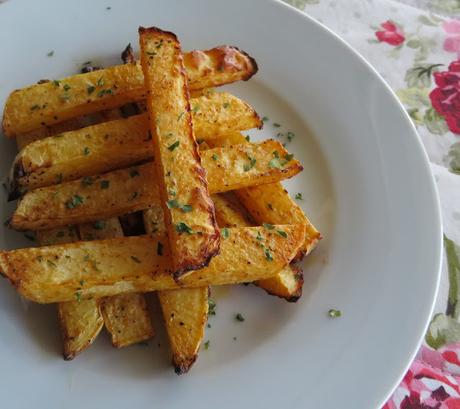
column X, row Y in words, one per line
column 179, row 117
column 182, row 227
column 39, row 259
column 290, row 136
column 282, row 233
column 90, row 89
column 152, row 53
column 268, row 226
column 34, row 107
column 87, row 181
column 100, row 82
column 265, row 119
column 268, row 254
column 225, row 233
column 135, row 259
column 50, row 54
column 74, row 202
column 250, row 165
column 206, row 344
column 259, row 236
column 78, row 296
column 56, row 83
column 196, row 108
column 211, row 307
column 174, row 204
column 86, row 151
column 298, row 196
column 270, row 206
column 51, row 263
column 334, row 313
column 29, row 236
column 133, row 173
column 66, row 87
column 103, row 92
column 248, row 138
column 99, row 224
column 276, row 125
column 239, row 317
column 82, row 282
column 214, row 157
column 173, row 146
column 226, row 105
column 105, row 184
column 160, row 248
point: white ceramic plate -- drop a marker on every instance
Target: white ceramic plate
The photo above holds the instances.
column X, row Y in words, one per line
column 366, row 185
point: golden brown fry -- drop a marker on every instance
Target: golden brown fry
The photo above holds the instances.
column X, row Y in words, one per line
column 126, row 316
column 185, row 313
column 271, row 203
column 80, row 321
column 288, row 282
column 128, row 264
column 183, row 188
column 128, row 190
column 45, row 104
column 115, row 144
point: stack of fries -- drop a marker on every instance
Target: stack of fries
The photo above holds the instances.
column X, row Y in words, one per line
column 212, row 212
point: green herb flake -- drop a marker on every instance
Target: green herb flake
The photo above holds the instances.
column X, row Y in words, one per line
column 39, row 258
column 298, row 196
column 90, row 89
column 99, row 225
column 151, row 53
column 66, row 87
column 259, row 236
column 174, row 145
column 78, row 296
column 34, row 107
column 100, row 82
column 186, row 208
column 135, row 259
column 182, row 227
column 82, row 282
column 214, row 157
column 225, row 233
column 56, row 83
column 160, row 248
column 334, row 313
column 239, row 317
column 29, row 236
column 247, row 167
column 179, row 117
column 226, row 105
column 268, row 254
column 206, row 344
column 265, row 119
column 268, row 226
column 282, row 233
column 50, row 54
column 248, row 138
column 211, row 307
column 74, row 201
column 290, row 136
column 133, row 173
column 196, row 108
column 276, row 125
column 289, row 156
column 86, row 151
column 105, row 184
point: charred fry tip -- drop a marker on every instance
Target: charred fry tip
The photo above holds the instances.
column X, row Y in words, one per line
column 151, row 30
column 252, row 62
column 68, row 356
column 184, row 366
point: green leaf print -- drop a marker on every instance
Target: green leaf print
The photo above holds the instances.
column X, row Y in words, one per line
column 432, row 20
column 454, row 158
column 420, row 75
column 414, row 97
column 444, row 328
column 435, row 123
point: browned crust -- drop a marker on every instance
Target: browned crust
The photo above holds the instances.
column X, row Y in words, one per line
column 182, row 366
column 151, row 30
column 297, row 293
column 252, row 61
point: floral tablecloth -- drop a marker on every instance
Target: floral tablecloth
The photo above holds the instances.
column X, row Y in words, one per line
column 415, row 45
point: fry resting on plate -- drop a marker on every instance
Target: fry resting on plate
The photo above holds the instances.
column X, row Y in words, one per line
column 148, row 143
